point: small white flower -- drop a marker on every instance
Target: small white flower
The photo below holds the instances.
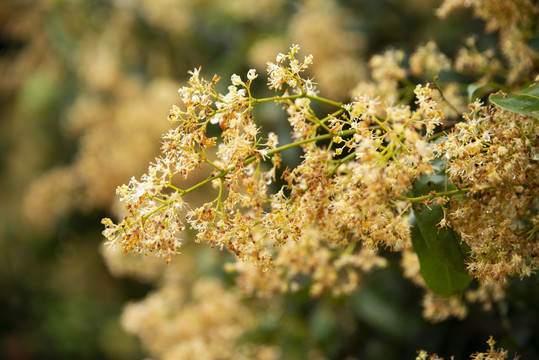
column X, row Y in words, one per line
column 216, row 119
column 280, row 57
column 236, row 80
column 251, row 74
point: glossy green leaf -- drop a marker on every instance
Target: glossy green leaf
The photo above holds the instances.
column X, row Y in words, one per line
column 444, row 243
column 532, row 90
column 440, row 250
column 437, row 181
column 525, row 102
column 473, row 89
column 439, row 277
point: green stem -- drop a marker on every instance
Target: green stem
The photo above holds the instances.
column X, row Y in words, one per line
column 335, row 114
column 221, row 174
column 435, row 136
column 434, row 195
column 298, row 96
column 169, row 185
column 323, row 100
column 340, row 162
column 382, row 125
column 221, row 186
column 208, row 161
column 163, row 205
column 251, row 159
column 277, row 98
column 302, row 142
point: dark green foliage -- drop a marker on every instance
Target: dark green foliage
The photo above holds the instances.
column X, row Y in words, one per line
column 441, row 257
column 440, row 276
column 525, row 102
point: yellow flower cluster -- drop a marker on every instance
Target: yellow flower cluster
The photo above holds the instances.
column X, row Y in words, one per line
column 514, row 20
column 325, row 219
column 175, row 325
column 495, row 153
column 332, row 213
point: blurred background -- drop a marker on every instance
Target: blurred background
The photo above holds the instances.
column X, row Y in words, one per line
column 85, row 90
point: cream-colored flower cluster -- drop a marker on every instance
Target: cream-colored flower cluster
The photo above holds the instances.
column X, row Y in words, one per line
column 332, row 212
column 325, row 219
column 514, row 20
column 174, row 324
column 495, row 153
column 323, row 222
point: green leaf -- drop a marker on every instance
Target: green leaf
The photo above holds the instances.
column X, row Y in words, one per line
column 444, row 243
column 438, row 276
column 437, row 181
column 474, row 88
column 440, row 250
column 532, row 90
column 525, row 102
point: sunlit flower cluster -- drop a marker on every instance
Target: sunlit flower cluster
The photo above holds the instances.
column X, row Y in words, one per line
column 330, row 215
column 495, row 153
column 322, row 223
column 336, row 208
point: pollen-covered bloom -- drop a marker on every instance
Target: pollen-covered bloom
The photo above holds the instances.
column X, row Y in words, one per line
column 494, row 154
column 287, row 70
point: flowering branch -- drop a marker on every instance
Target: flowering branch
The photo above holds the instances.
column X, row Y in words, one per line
column 343, row 206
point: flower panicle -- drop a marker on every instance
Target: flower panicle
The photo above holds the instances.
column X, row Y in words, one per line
column 349, row 195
